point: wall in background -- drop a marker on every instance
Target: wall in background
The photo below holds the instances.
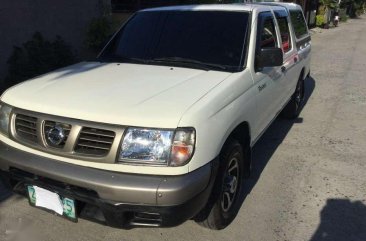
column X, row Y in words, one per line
column 20, row 19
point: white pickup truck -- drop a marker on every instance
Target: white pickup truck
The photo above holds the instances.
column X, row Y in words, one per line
column 159, row 128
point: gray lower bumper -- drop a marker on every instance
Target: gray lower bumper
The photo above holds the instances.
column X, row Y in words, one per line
column 113, row 186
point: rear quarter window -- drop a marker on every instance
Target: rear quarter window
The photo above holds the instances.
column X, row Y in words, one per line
column 299, row 24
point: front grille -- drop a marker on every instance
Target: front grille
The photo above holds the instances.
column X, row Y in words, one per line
column 26, row 127
column 67, row 137
column 48, row 125
column 94, row 141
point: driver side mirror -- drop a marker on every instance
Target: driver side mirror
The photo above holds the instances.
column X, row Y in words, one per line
column 269, row 57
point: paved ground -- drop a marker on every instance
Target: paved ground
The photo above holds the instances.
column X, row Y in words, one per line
column 309, row 179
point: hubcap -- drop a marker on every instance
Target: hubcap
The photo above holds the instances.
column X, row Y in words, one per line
column 230, row 184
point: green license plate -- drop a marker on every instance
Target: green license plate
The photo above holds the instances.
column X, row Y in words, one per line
column 68, row 205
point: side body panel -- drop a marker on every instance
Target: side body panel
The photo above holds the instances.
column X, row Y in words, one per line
column 268, row 80
column 218, row 113
column 291, row 68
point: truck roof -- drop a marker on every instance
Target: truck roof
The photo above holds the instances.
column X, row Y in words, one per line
column 226, row 7
column 290, row 6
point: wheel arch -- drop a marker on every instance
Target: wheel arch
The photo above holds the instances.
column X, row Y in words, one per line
column 242, row 134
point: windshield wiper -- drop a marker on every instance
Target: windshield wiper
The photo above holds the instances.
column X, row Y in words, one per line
column 123, row 59
column 189, row 61
column 177, row 60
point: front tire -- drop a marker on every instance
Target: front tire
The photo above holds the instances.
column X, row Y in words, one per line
column 225, row 200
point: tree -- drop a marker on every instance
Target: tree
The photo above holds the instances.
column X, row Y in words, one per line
column 327, row 6
column 37, row 56
column 353, row 7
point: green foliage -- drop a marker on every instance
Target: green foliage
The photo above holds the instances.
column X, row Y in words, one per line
column 320, row 21
column 343, row 17
column 329, row 4
column 354, row 7
column 321, row 10
column 98, row 33
column 358, row 8
column 37, row 56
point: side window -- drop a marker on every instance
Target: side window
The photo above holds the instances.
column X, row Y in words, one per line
column 268, row 37
column 285, row 33
column 298, row 21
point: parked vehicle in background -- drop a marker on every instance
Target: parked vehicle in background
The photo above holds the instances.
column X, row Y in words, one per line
column 159, row 129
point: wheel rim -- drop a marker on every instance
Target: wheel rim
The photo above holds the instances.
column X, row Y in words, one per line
column 231, row 182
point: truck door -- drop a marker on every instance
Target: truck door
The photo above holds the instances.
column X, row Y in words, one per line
column 267, row 80
column 290, row 56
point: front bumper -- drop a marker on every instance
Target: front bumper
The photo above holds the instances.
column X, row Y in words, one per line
column 125, row 200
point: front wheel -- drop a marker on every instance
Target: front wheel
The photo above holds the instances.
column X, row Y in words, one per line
column 225, row 200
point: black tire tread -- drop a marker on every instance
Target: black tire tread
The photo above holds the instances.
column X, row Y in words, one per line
column 214, row 219
column 290, row 111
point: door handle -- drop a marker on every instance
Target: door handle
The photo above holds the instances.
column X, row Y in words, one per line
column 283, row 69
column 295, row 59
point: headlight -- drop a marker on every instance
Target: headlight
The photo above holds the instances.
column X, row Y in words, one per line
column 5, row 111
column 157, row 147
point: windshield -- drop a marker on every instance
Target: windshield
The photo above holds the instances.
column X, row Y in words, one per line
column 201, row 39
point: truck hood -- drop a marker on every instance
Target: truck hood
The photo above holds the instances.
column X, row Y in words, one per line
column 123, row 94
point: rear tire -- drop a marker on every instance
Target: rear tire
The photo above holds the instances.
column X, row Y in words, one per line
column 293, row 107
column 225, row 200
